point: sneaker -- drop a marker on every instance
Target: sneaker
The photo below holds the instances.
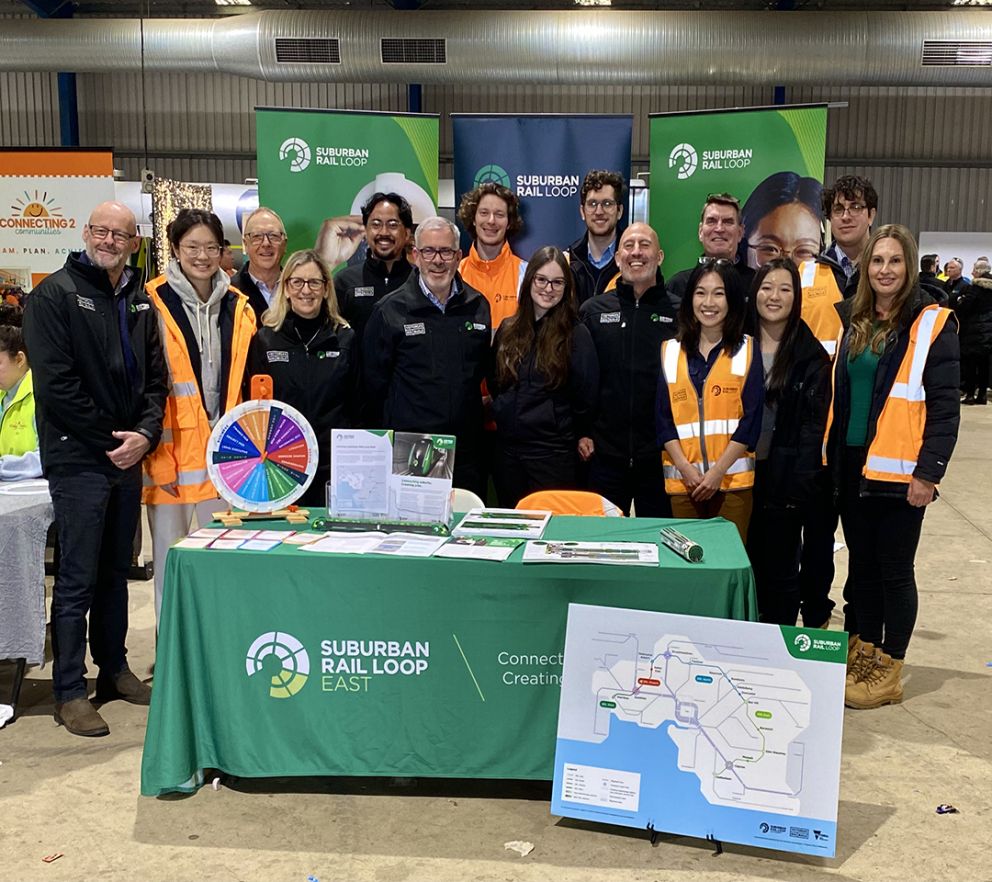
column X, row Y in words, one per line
column 123, row 685
column 880, row 684
column 80, row 718
column 863, row 661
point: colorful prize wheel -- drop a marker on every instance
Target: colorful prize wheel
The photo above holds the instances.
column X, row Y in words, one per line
column 262, row 456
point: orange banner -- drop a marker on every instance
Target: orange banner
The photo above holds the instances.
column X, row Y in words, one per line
column 57, row 163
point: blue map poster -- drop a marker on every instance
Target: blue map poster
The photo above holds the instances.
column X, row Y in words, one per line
column 701, row 727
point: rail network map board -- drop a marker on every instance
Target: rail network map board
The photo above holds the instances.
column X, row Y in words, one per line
column 262, row 456
column 701, row 727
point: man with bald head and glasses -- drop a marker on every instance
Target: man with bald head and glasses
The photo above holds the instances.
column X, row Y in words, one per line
column 264, row 239
column 720, row 233
column 425, row 352
column 100, row 387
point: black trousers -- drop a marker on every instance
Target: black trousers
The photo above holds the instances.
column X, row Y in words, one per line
column 773, row 542
column 623, row 482
column 516, row 474
column 882, row 536
column 975, row 375
column 96, row 516
column 816, row 568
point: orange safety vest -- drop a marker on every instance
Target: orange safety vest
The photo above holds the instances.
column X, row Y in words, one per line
column 706, row 424
column 181, row 456
column 894, row 450
column 497, row 280
column 820, row 294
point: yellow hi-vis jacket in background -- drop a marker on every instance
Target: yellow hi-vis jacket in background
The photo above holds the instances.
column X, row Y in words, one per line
column 820, row 294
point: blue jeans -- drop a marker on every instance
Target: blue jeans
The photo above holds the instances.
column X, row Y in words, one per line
column 96, row 516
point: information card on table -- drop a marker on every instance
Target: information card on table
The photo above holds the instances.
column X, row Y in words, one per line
column 701, row 727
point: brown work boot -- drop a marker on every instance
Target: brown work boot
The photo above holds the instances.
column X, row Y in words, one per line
column 123, row 685
column 854, row 643
column 880, row 684
column 863, row 661
column 81, row 718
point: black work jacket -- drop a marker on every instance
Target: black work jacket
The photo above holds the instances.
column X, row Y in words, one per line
column 359, row 288
column 256, row 300
column 590, row 281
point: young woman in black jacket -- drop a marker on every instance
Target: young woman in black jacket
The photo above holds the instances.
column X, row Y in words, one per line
column 309, row 351
column 543, row 380
column 890, row 434
column 789, row 459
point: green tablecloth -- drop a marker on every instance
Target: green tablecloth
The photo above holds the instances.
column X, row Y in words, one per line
column 290, row 662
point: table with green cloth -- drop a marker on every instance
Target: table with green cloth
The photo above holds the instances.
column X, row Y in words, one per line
column 288, row 662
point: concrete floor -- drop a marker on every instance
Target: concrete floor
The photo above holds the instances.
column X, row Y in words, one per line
column 59, row 793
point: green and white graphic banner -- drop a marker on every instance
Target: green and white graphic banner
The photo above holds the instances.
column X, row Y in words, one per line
column 770, row 158
column 317, row 167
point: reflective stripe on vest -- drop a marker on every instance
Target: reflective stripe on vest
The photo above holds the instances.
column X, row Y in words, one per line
column 893, row 452
column 704, row 437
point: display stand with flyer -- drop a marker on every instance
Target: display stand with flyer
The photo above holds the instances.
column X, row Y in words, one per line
column 382, row 475
column 721, row 729
column 509, row 522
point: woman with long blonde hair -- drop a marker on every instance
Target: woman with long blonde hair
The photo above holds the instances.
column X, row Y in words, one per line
column 890, row 433
column 308, row 349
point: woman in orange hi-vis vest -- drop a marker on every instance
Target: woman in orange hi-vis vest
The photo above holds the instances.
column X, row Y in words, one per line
column 710, row 398
column 890, row 433
column 206, row 327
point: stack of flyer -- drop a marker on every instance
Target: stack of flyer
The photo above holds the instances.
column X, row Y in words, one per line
column 503, row 522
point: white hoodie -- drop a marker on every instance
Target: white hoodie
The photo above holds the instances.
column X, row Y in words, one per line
column 205, row 321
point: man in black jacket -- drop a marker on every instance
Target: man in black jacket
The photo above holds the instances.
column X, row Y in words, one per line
column 100, row 385
column 628, row 324
column 265, row 244
column 388, row 221
column 591, row 258
column 720, row 232
column 425, row 352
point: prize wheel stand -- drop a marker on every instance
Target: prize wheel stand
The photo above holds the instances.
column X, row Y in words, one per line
column 261, row 457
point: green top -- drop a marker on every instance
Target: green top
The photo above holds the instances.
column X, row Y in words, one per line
column 861, row 374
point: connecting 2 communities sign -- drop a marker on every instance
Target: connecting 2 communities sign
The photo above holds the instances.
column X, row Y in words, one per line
column 543, row 159
column 702, row 727
column 729, row 151
column 46, row 197
column 318, row 165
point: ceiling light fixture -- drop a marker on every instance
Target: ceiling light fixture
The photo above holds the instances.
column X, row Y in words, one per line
column 971, row 2
column 593, row 2
column 233, row 2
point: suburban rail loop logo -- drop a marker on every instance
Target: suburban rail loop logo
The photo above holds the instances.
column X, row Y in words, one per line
column 292, row 656
column 300, row 151
column 685, row 155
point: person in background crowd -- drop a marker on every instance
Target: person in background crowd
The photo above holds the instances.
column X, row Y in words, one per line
column 264, row 244
column 227, row 258
column 591, row 258
column 720, row 234
column 928, row 279
column 956, row 282
column 849, row 206
column 782, row 219
column 388, row 222
column 100, row 387
column 307, row 348
column 710, row 399
column 206, row 327
column 628, row 323
column 890, row 434
column 974, row 311
column 788, row 455
column 19, row 455
column 544, row 379
column 425, row 352
column 491, row 214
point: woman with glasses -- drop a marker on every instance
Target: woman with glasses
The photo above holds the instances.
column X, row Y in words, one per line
column 788, row 455
column 206, row 327
column 309, row 351
column 710, row 399
column 781, row 218
column 891, row 430
column 543, row 379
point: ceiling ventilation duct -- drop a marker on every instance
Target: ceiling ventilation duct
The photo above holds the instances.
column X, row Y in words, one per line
column 556, row 47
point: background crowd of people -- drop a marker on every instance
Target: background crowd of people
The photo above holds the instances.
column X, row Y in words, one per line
column 776, row 383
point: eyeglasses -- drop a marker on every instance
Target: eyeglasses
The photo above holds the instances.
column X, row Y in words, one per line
column 391, row 225
column 194, row 250
column 120, row 237
column 553, row 284
column 445, row 254
column 771, row 252
column 295, row 284
column 259, row 238
column 605, row 204
column 855, row 209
